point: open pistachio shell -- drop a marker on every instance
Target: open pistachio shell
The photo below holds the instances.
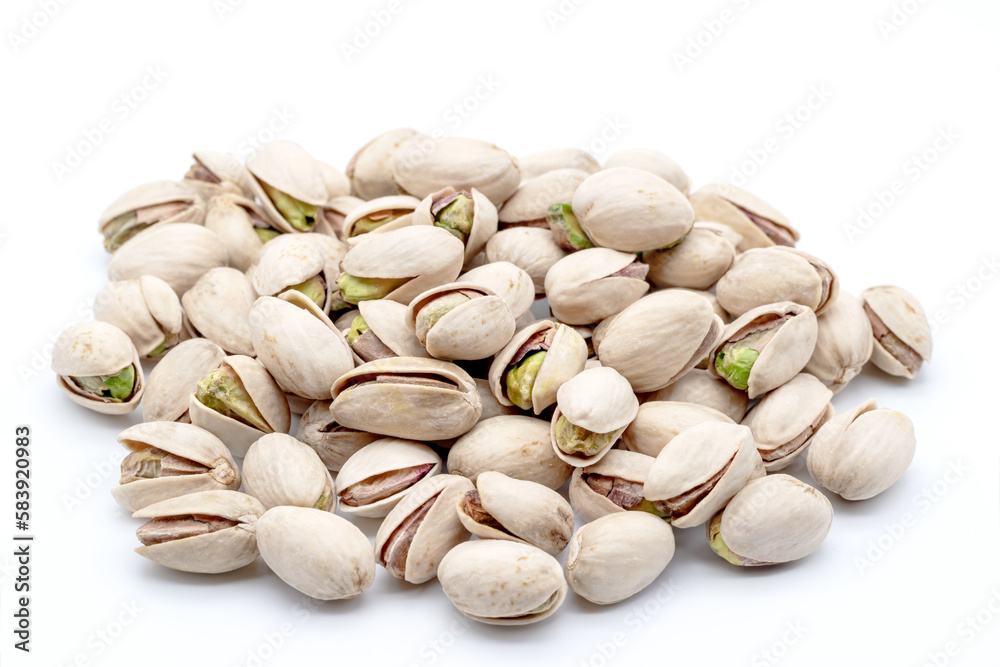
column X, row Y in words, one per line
column 475, row 329
column 505, row 280
column 482, row 226
column 147, row 206
column 697, row 262
column 530, row 203
column 387, row 320
column 380, row 474
column 844, row 343
column 701, row 387
column 97, row 350
column 658, row 422
column 902, row 334
column 212, row 171
column 242, row 225
column 176, row 376
column 289, row 169
column 613, row 484
column 751, row 281
column 596, row 402
column 334, row 443
column 758, row 223
column 652, row 161
column 592, row 284
column 280, row 470
column 424, row 165
column 379, row 216
column 289, row 261
column 218, row 307
column 146, row 309
column 536, row 164
column 532, row 249
column 370, row 169
column 785, row 418
column 178, row 253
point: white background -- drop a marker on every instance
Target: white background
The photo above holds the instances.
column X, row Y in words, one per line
column 840, row 98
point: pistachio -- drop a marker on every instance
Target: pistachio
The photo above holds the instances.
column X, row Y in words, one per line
column 844, row 343
column 751, row 282
column 218, row 307
column 424, row 165
column 98, row 368
column 379, row 215
column 613, row 484
column 533, row 250
column 652, row 161
column 242, row 225
column 373, row 480
column 592, row 284
column 370, row 169
column 697, row 262
column 175, row 376
column 146, row 206
column 902, row 334
column 289, row 184
column 784, row 420
column 280, row 470
column 592, row 411
column 658, row 422
column 221, row 390
column 758, row 224
column 461, row 321
column 566, row 228
column 146, row 309
column 177, row 253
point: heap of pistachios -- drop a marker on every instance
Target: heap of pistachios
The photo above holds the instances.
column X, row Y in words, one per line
column 365, row 343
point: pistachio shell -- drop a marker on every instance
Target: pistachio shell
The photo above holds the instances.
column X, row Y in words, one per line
column 175, row 376
column 652, row 161
column 234, row 218
column 145, row 308
column 218, row 306
column 154, row 194
column 388, row 320
column 697, row 262
column 729, row 205
column 370, row 169
column 658, row 422
column 287, row 167
column 751, row 281
column 703, row 388
column 505, row 280
column 599, row 400
column 333, row 442
column 900, row 313
column 843, row 342
column 92, row 349
column 618, row 463
column 337, row 183
column 476, row 329
column 532, row 249
column 378, row 458
column 226, row 168
column 380, row 205
column 286, row 261
column 177, row 253
column 484, row 218
column 582, row 287
column 785, row 418
column 424, row 165
column 536, row 164
column 280, row 470
column 530, row 203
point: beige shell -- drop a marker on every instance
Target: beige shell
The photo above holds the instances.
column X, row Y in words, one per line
column 280, row 470
column 370, row 169
column 185, row 441
column 484, row 218
column 501, row 583
column 221, row 551
column 437, row 533
column 528, row 512
column 862, row 452
column 564, row 358
column 335, row 213
column 505, row 280
column 174, row 378
column 234, row 218
column 536, row 164
column 298, row 344
column 843, row 342
column 652, row 161
column 902, row 315
column 532, row 249
column 599, row 400
column 476, row 329
column 337, row 183
column 145, row 308
column 707, row 464
column 289, row 168
column 725, row 231
column 406, row 409
column 751, row 282
column 530, row 204
column 729, row 206
column 785, row 418
column 178, row 253
column 218, row 307
column 618, row 555
column 380, row 457
column 286, row 261
column 775, row 519
column 266, row 395
column 701, row 387
column 226, row 168
column 618, row 463
column 96, row 348
column 675, row 328
column 697, row 262
column 382, row 204
column 631, row 210
column 516, row 445
column 334, row 443
column 424, row 165
column 658, row 422
column 317, row 553
column 388, row 320
column 582, row 287
column 153, row 194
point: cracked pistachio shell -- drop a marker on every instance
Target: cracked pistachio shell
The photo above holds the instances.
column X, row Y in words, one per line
column 536, row 164
column 96, row 348
column 155, row 194
column 234, row 218
column 222, row 167
column 212, row 553
column 631, row 210
column 900, row 314
column 862, row 452
column 383, row 456
column 697, row 262
column 751, row 282
column 582, row 287
column 843, row 343
column 652, row 161
column 530, row 248
column 785, row 418
column 383, row 205
column 506, row 280
column 298, row 344
column 424, row 165
column 501, row 582
column 183, row 440
column 701, row 387
column 516, row 445
column 280, row 470
column 218, row 307
column 387, row 319
column 527, row 512
column 484, row 218
column 616, row 556
column 145, row 308
column 337, row 183
column 784, row 355
column 618, row 463
column 599, row 400
column 730, row 206
column 407, row 397
column 287, row 167
column 333, row 442
column 266, row 396
column 438, row 531
column 476, row 329
column 701, row 469
column 429, row 256
column 175, row 376
column 530, row 204
column 286, row 261
column 773, row 519
column 317, row 553
column 658, row 422
column 370, row 169
column 177, row 253
column 677, row 328
column 565, row 357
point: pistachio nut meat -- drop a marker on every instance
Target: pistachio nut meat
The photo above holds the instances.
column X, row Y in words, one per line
column 696, row 474
column 654, row 162
column 530, row 204
column 531, row 249
column 175, row 376
column 146, row 309
column 295, row 262
column 280, row 470
column 178, row 253
column 407, row 397
column 537, row 164
column 566, row 228
column 218, row 307
column 243, row 227
column 618, row 555
column 504, row 508
column 501, row 582
column 424, row 526
column 758, row 223
column 701, row 387
column 697, row 262
column 902, row 334
column 317, row 553
column 379, row 331
column 215, row 173
column 335, row 215
column 658, row 422
column 370, row 168
column 593, row 409
column 332, row 442
column 169, row 459
column 98, row 368
column 207, row 532
column 862, row 452
column 379, row 215
column 468, row 215
column 773, row 519
column 424, row 165
column 506, row 280
column 613, row 484
column 374, row 479
column 289, row 185
column 751, row 281
column 529, row 370
column 765, row 347
column 587, row 286
column 784, row 420
column 844, row 343
column 146, row 206
column 460, row 321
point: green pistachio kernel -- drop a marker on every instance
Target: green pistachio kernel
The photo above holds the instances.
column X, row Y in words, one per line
column 648, row 506
column 115, row 388
column 266, row 234
column 300, row 215
column 358, row 327
column 121, row 229
column 222, row 391
column 572, row 439
column 566, row 228
column 434, row 310
column 375, row 220
column 734, row 362
column 314, row 288
column 324, row 502
column 521, row 379
column 457, row 216
column 354, row 289
column 159, row 349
